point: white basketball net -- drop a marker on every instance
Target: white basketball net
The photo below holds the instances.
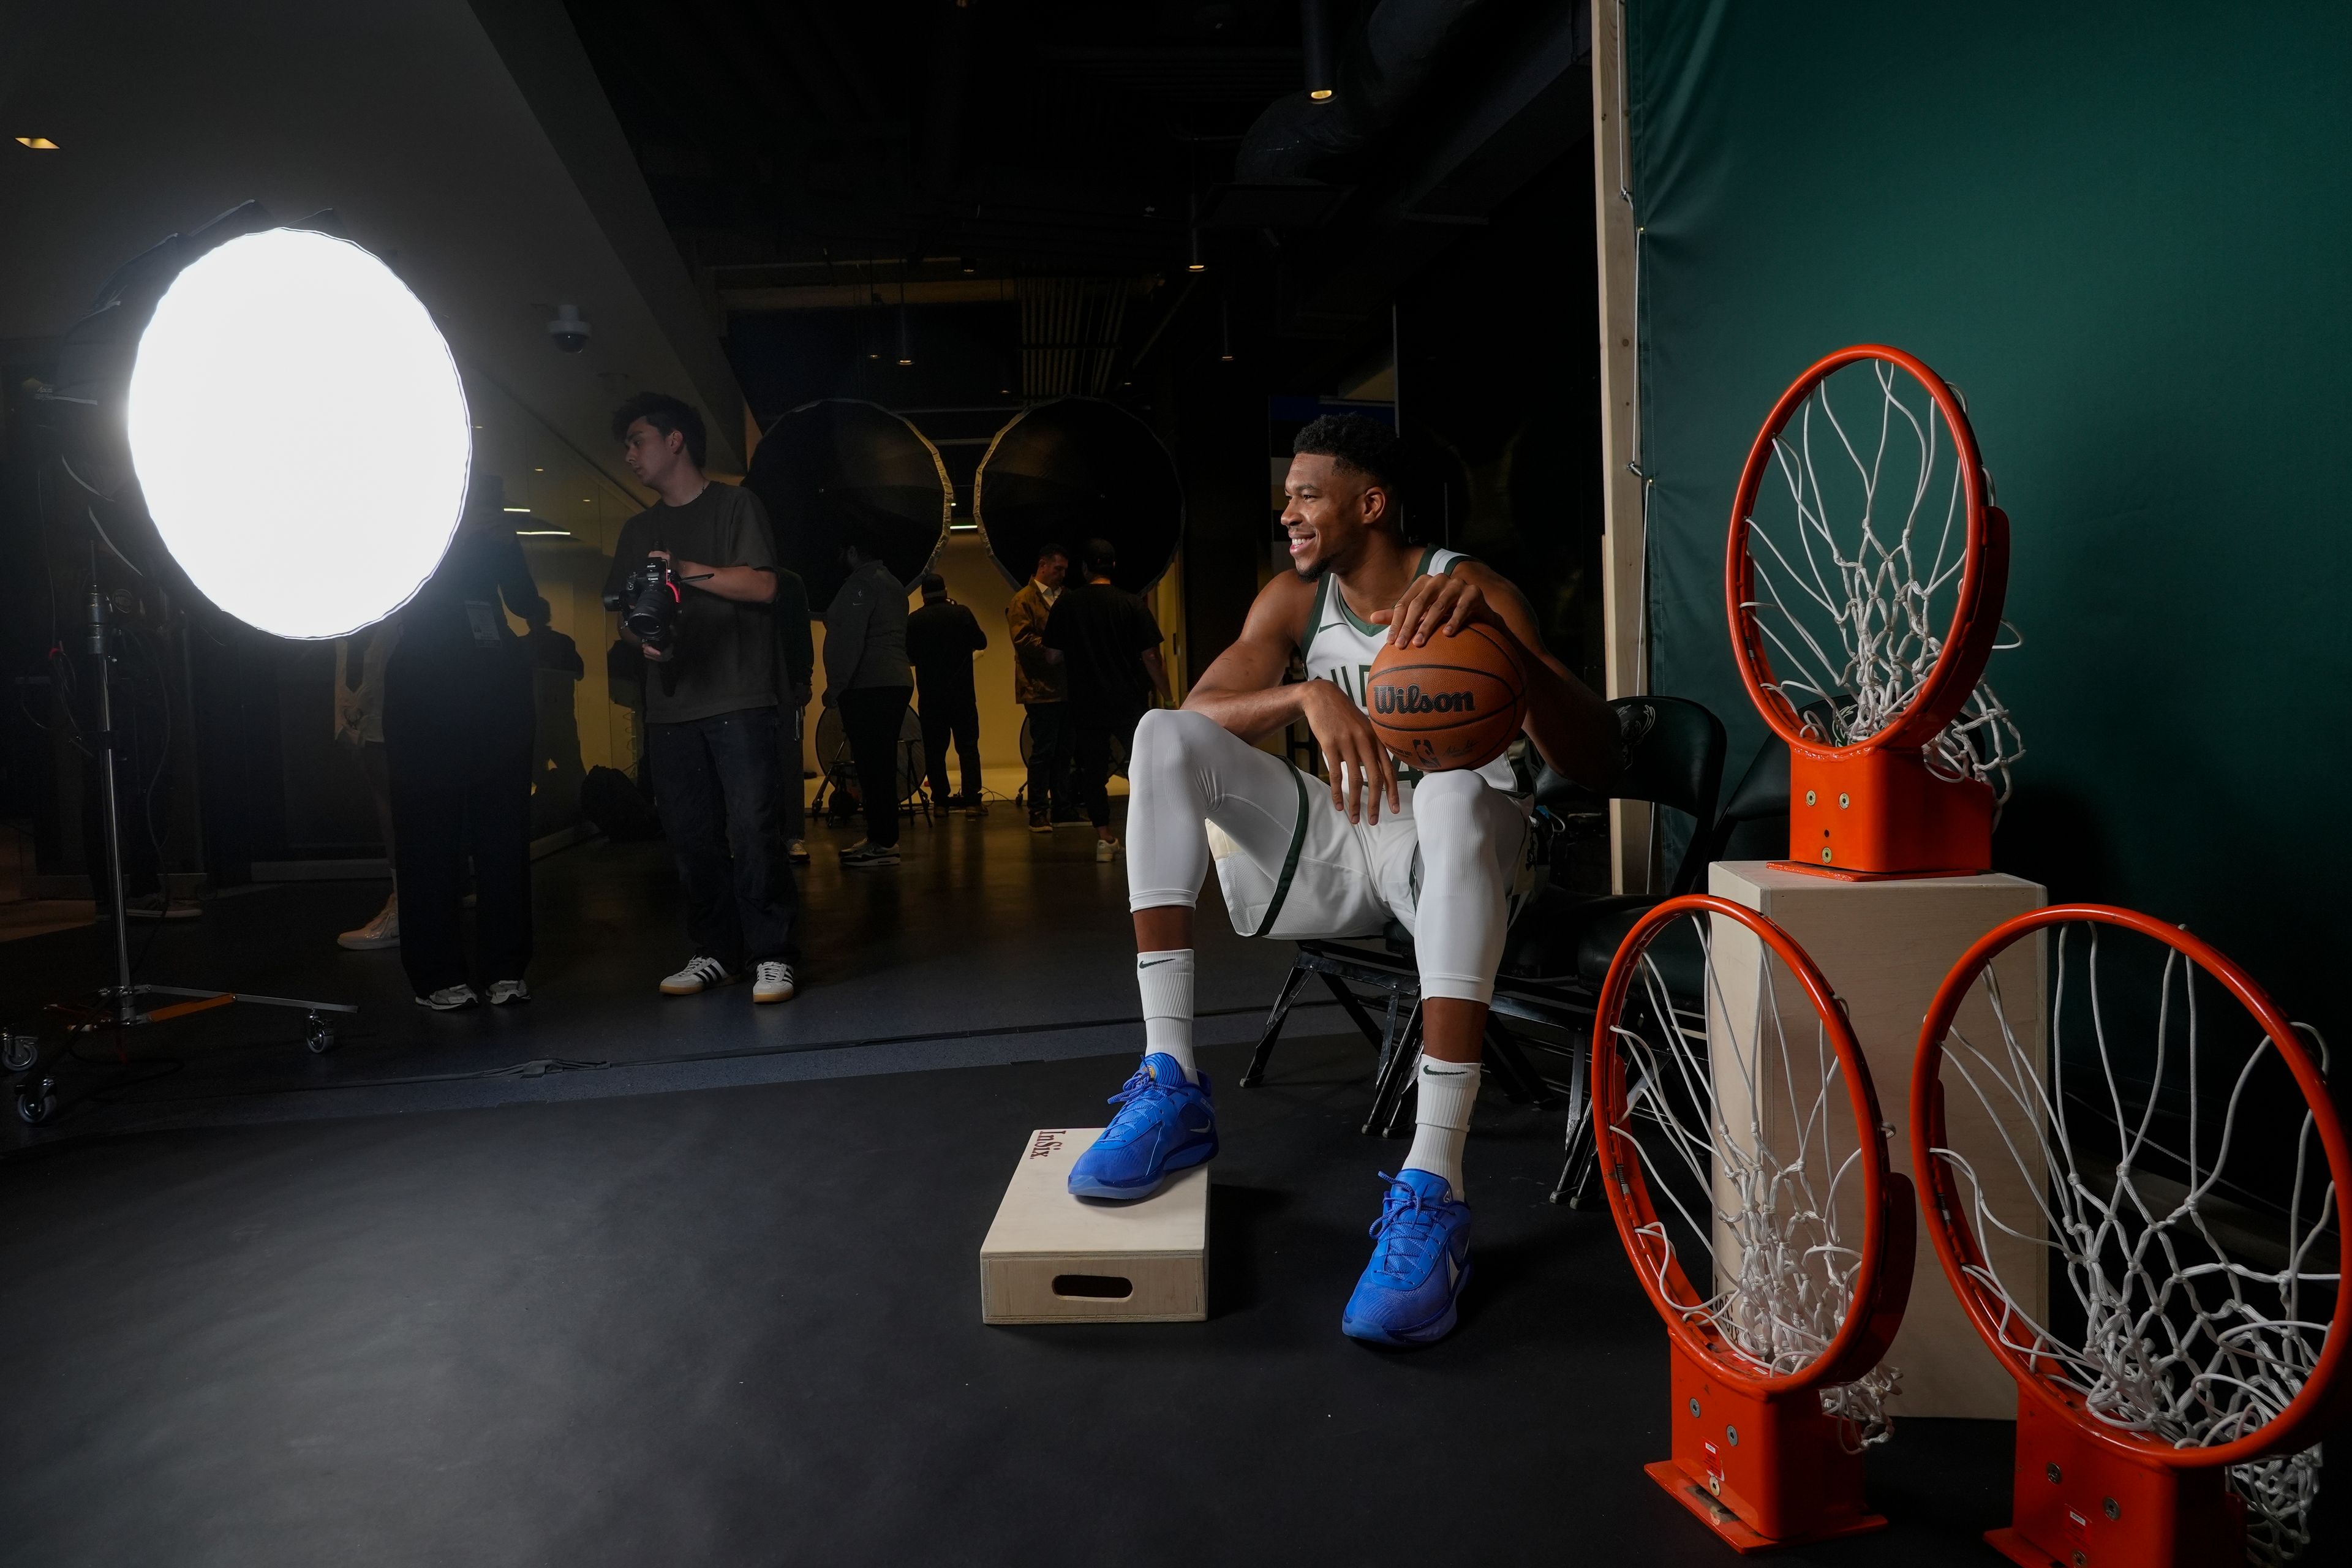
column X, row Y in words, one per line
column 1856, row 580
column 1741, row 1139
column 2197, row 1290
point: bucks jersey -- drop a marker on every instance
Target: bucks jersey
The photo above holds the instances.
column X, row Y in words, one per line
column 1339, row 649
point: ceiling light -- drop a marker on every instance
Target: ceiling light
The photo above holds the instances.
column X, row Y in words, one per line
column 38, row 143
column 328, row 346
column 1320, row 49
column 1194, row 263
column 542, row 533
column 539, row 471
column 972, row 264
column 524, row 510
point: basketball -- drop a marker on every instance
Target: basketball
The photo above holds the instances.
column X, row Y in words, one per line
column 1454, row 702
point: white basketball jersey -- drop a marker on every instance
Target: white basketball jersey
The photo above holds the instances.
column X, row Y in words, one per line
column 1339, row 649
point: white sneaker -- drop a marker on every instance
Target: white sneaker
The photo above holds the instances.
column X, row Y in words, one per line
column 796, row 851
column 382, row 931
column 701, row 973
column 449, row 999
column 1107, row 850
column 503, row 991
column 773, row 983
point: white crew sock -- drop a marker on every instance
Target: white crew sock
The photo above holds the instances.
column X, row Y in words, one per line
column 1440, row 1119
column 1165, row 981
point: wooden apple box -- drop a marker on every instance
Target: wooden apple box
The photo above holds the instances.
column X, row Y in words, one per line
column 1054, row 1258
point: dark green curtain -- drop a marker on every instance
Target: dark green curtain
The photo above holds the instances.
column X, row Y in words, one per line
column 2125, row 232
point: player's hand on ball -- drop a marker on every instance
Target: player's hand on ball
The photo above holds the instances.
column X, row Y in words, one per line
column 1434, row 604
column 1352, row 752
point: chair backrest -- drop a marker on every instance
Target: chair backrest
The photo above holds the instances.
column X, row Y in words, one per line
column 1761, row 792
column 1671, row 754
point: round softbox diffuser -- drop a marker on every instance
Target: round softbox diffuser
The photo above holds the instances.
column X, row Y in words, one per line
column 1074, row 469
column 838, row 471
column 299, row 433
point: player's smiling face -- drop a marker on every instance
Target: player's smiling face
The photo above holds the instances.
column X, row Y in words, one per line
column 1329, row 512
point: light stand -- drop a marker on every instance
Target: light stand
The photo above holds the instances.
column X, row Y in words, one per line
column 357, row 379
column 122, row 1004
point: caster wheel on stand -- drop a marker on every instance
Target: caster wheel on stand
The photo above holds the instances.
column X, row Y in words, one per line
column 36, row 1103
column 317, row 1036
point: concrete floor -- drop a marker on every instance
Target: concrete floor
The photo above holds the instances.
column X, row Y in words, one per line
column 618, row 1279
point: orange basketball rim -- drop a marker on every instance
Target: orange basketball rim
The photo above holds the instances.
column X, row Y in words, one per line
column 2178, row 1430
column 1848, row 596
column 1768, row 1443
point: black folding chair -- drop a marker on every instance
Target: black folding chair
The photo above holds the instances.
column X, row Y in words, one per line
column 1761, row 794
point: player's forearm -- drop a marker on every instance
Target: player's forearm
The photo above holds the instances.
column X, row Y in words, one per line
column 1252, row 715
column 1570, row 726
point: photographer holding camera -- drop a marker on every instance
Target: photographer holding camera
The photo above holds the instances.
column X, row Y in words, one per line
column 694, row 576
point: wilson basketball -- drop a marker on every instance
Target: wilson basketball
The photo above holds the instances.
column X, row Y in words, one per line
column 1454, row 702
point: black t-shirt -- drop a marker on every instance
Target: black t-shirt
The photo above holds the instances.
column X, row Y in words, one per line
column 940, row 640
column 1103, row 634
column 723, row 658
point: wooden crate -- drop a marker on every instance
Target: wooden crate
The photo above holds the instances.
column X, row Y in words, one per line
column 1052, row 1258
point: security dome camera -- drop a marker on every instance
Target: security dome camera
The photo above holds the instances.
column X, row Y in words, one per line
column 570, row 332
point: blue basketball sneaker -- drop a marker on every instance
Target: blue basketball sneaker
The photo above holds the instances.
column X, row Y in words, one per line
column 1165, row 1124
column 1420, row 1260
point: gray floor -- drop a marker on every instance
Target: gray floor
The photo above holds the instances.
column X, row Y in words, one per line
column 623, row 1280
column 988, row 945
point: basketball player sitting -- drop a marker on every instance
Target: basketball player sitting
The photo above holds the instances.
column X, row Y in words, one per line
column 1299, row 859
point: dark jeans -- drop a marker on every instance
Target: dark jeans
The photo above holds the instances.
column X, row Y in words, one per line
column 1049, row 756
column 1092, row 735
column 439, row 790
column 957, row 715
column 792, row 731
column 871, row 716
column 717, row 793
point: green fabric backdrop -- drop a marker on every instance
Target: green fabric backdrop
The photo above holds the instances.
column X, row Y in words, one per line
column 2124, row 233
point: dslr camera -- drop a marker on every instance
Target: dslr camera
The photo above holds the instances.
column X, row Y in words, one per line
column 648, row 603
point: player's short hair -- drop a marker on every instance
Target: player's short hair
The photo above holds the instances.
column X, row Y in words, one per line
column 666, row 414
column 1047, row 551
column 1100, row 557
column 1353, row 442
column 934, row 582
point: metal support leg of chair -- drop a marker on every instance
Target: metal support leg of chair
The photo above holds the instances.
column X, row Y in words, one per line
column 1574, row 1189
column 1402, row 1079
column 1273, row 1022
column 1355, row 1009
column 1397, row 1050
column 1511, row 1067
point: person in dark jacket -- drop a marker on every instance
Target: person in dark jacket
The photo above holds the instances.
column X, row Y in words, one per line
column 942, row 638
column 459, row 733
column 796, row 676
column 1110, row 644
column 867, row 677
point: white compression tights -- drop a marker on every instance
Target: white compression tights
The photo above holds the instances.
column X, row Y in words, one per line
column 1186, row 771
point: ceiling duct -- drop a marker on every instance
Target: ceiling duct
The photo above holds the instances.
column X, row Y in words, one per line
column 1069, row 334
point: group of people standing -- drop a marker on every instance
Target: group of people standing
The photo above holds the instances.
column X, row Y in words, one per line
column 1088, row 667
column 442, row 708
